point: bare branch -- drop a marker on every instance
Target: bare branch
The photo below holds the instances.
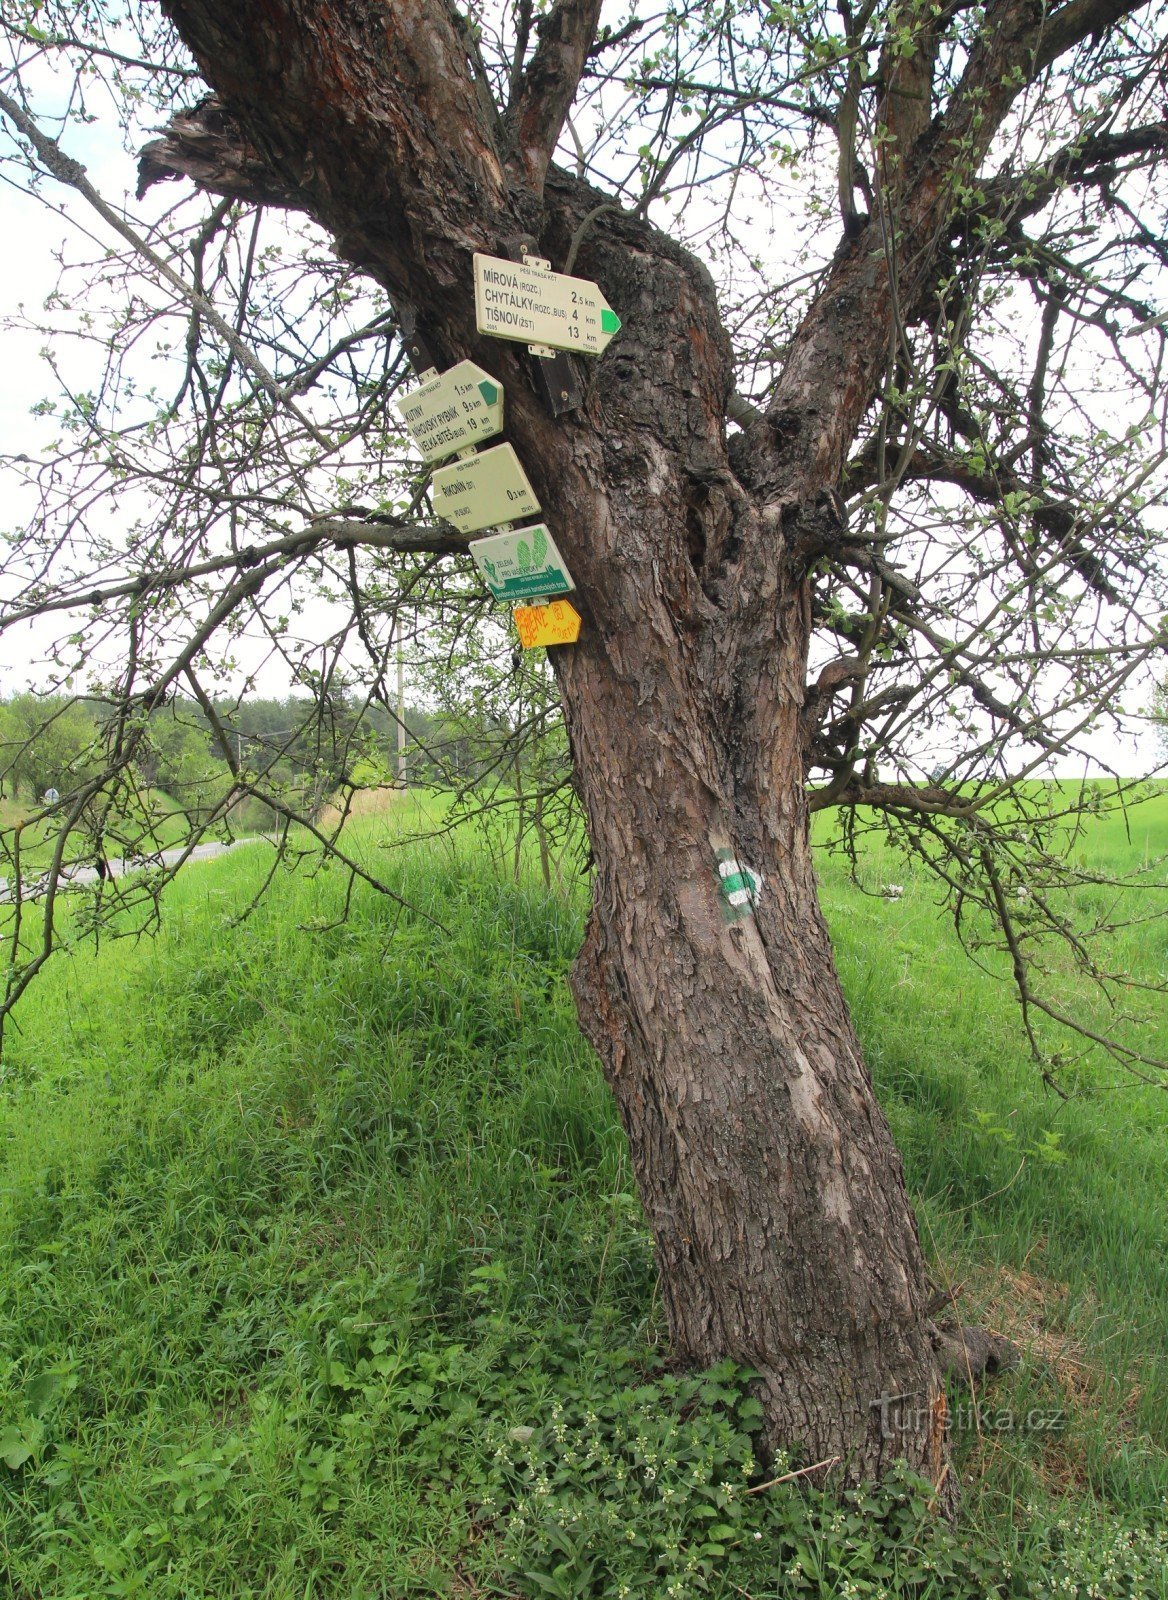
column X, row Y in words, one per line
column 72, row 173
column 207, row 145
column 335, row 531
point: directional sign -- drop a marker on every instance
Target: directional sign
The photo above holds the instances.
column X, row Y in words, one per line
column 524, row 565
column 536, row 306
column 484, row 490
column 450, row 412
column 556, row 623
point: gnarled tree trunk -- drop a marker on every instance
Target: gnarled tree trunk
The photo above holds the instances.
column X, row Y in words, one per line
column 766, row 1168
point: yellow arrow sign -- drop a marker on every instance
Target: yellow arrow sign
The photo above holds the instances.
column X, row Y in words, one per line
column 537, row 306
column 556, row 623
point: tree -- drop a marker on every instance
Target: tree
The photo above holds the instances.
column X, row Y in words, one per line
column 48, row 741
column 857, row 522
column 1158, row 714
column 179, row 744
column 178, row 759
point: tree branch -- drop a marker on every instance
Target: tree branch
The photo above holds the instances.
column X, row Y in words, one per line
column 1073, row 23
column 335, row 530
column 72, row 173
column 1093, row 160
column 207, row 145
column 1061, row 519
column 535, row 117
column 839, row 356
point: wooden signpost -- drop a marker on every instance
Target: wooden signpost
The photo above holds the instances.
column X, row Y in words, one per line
column 453, row 410
column 483, row 490
column 556, row 623
column 536, row 306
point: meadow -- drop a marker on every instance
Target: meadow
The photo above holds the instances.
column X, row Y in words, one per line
column 321, row 1271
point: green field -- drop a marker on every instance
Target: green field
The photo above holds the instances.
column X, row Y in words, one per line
column 321, row 1273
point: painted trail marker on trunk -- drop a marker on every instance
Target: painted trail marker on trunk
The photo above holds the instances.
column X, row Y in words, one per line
column 739, row 886
column 556, row 623
column 457, row 408
column 524, row 565
column 484, row 490
column 537, row 306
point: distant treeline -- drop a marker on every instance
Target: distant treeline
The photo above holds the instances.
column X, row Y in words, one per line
column 303, row 748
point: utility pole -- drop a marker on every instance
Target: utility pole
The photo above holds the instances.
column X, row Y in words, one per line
column 401, row 719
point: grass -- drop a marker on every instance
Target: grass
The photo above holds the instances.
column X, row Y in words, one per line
column 1051, row 1210
column 321, row 1274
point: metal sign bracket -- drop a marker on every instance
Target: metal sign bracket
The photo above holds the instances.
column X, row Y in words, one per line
column 555, row 374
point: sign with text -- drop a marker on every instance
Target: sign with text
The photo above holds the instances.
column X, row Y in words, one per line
column 524, row 565
column 458, row 408
column 484, row 490
column 556, row 623
column 537, row 306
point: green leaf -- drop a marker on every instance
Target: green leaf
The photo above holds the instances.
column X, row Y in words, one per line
column 18, row 1444
column 41, row 1391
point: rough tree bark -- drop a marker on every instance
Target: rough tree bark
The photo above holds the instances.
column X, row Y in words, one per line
column 767, row 1171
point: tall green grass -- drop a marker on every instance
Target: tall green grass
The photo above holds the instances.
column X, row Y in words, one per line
column 321, row 1271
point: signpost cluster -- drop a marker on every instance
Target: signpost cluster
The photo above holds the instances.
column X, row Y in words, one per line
column 453, row 412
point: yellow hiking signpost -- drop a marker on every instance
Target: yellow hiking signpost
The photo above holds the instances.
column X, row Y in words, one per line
column 556, row 623
column 536, row 306
column 483, row 490
column 453, row 410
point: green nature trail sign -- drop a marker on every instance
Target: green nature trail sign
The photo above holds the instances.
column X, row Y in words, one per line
column 483, row 490
column 456, row 409
column 537, row 306
column 524, row 565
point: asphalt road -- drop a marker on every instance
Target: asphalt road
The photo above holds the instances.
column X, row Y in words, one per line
column 119, row 867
